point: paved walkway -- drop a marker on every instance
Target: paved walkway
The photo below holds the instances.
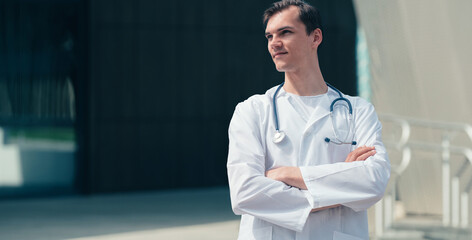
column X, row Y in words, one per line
column 174, row 214
column 424, row 227
column 195, row 214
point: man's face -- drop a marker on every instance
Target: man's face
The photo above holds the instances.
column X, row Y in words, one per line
column 289, row 45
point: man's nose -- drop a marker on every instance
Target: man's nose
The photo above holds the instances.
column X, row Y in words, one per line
column 275, row 44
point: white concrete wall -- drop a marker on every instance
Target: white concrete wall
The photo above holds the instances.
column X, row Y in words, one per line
column 421, row 66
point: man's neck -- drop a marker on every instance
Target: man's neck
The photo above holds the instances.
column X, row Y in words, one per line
column 308, row 83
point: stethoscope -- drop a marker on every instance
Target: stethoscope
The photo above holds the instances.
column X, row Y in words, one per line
column 280, row 135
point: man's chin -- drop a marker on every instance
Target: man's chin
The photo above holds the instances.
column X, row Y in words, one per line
column 280, row 68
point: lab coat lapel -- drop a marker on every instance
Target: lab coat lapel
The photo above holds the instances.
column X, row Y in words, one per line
column 321, row 111
column 297, row 108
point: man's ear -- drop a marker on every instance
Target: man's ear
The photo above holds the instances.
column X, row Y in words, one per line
column 317, row 37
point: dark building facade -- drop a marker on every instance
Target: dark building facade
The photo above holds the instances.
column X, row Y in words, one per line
column 165, row 76
column 156, row 83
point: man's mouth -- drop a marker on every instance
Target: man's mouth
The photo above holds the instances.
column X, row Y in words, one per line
column 279, row 54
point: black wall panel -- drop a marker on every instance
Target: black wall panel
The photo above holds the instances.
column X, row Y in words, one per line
column 164, row 78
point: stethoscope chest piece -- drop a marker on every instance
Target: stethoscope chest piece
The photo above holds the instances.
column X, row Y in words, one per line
column 278, row 137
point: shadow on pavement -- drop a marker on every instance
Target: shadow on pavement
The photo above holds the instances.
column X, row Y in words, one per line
column 88, row 216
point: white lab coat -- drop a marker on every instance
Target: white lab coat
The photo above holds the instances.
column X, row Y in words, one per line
column 273, row 210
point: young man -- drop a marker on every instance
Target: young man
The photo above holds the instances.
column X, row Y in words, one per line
column 295, row 167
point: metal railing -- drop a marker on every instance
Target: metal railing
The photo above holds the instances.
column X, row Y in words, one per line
column 455, row 203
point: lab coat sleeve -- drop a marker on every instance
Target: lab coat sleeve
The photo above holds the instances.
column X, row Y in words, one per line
column 357, row 185
column 251, row 192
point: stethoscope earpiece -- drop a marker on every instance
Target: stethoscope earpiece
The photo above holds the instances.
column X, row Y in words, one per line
column 329, row 140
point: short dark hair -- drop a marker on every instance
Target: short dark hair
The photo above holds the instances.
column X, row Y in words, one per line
column 309, row 15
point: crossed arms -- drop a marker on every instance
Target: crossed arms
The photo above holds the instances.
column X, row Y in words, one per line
column 292, row 176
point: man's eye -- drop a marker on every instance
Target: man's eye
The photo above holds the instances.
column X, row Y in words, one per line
column 285, row 32
column 269, row 36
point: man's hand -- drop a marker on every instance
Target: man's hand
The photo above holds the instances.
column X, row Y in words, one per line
column 324, row 208
column 360, row 154
column 289, row 175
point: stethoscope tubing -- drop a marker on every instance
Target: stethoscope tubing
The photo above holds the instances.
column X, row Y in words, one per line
column 280, row 135
column 275, row 106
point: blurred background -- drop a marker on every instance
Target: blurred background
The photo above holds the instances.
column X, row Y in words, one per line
column 114, row 114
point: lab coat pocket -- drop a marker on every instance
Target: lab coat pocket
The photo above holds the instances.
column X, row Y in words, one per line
column 264, row 233
column 337, row 152
column 343, row 236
